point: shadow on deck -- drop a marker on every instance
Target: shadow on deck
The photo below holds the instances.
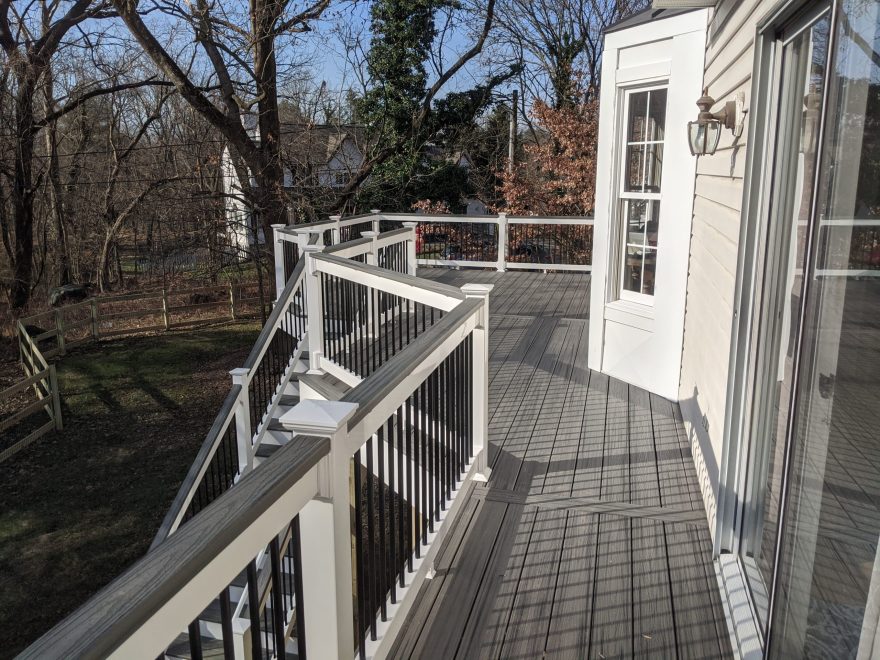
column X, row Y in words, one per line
column 590, row 539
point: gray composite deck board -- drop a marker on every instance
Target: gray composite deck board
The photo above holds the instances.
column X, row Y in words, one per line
column 590, row 539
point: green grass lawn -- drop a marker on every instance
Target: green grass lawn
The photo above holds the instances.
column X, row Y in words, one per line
column 79, row 506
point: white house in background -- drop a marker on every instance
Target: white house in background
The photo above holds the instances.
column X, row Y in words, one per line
column 323, row 156
column 743, row 283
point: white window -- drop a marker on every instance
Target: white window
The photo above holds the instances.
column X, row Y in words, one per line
column 639, row 191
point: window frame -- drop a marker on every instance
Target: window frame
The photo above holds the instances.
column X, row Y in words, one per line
column 623, row 196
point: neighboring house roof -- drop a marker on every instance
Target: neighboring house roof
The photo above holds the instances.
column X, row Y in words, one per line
column 646, row 16
column 315, row 145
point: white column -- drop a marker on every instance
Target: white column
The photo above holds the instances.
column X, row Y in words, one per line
column 411, row 259
column 243, row 430
column 334, row 231
column 325, row 525
column 481, row 380
column 279, row 260
column 502, row 242
column 376, row 220
column 373, row 254
column 314, row 306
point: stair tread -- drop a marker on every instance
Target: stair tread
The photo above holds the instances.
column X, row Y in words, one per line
column 265, row 450
column 211, row 648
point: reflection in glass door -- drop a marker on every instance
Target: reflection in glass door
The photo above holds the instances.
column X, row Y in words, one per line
column 826, row 600
column 801, row 66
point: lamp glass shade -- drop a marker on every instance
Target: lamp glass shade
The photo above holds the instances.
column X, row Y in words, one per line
column 703, row 137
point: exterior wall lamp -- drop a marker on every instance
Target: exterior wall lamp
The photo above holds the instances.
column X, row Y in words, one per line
column 704, row 133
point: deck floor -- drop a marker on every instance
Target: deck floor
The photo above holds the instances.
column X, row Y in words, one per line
column 590, row 538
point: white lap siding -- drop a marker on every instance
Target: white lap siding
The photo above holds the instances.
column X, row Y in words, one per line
column 714, row 245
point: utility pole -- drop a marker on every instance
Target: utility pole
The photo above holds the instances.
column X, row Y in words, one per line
column 511, row 143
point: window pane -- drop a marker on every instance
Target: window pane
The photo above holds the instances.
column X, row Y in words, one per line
column 636, row 214
column 649, row 271
column 638, row 107
column 657, row 115
column 634, row 168
column 653, row 224
column 653, row 167
column 632, row 269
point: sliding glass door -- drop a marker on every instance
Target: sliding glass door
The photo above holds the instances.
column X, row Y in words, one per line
column 810, row 519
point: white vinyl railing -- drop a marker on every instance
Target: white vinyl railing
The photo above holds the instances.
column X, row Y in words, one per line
column 277, row 553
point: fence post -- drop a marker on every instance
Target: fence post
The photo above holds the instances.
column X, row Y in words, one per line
column 326, row 524
column 334, row 231
column 56, row 398
column 278, row 242
column 481, row 379
column 243, row 431
column 314, row 306
column 59, row 331
column 502, row 242
column 93, row 311
column 376, row 221
column 411, row 258
column 165, row 316
column 232, row 300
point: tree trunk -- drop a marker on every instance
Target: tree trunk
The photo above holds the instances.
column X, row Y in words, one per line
column 23, row 193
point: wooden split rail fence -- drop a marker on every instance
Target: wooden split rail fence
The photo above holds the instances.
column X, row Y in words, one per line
column 31, row 407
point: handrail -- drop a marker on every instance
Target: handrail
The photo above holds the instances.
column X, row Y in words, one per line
column 197, row 469
column 442, row 296
column 262, row 342
column 171, row 583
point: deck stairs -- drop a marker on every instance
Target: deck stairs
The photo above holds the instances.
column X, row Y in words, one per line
column 301, row 382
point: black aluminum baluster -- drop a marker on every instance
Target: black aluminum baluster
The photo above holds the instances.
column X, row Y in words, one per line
column 383, row 550
column 401, row 503
column 371, row 544
column 277, row 602
column 391, row 571
column 226, row 624
column 359, row 552
column 411, row 467
column 298, row 590
column 195, row 640
column 254, row 609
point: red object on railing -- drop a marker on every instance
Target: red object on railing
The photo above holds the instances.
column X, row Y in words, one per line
column 418, row 239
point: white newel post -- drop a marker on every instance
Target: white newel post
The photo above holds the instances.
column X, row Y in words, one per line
column 314, row 306
column 502, row 242
column 377, row 220
column 279, row 260
column 243, row 431
column 481, row 379
column 325, row 528
column 372, row 260
column 334, row 231
column 411, row 260
column 373, row 254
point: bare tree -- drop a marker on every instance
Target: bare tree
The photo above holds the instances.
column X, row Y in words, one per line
column 558, row 40
column 31, row 36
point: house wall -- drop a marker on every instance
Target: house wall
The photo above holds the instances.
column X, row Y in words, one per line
column 346, row 160
column 640, row 343
column 714, row 247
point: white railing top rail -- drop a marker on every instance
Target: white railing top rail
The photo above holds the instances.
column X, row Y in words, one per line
column 139, row 614
column 427, row 292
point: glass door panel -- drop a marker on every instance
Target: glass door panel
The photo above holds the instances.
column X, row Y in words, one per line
column 827, row 595
column 801, row 71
